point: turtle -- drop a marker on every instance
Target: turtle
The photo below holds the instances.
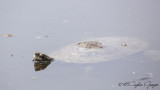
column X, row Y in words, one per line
column 41, row 61
column 94, row 50
column 90, row 44
column 41, row 57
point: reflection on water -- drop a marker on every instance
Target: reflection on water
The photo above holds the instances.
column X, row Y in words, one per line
column 47, row 25
column 41, row 61
column 41, row 65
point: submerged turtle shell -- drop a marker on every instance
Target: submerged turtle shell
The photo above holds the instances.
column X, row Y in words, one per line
column 90, row 44
column 112, row 48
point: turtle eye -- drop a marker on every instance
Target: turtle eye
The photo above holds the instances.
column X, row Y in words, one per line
column 36, row 54
column 42, row 55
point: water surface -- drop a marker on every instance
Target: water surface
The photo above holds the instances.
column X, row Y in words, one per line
column 46, row 26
